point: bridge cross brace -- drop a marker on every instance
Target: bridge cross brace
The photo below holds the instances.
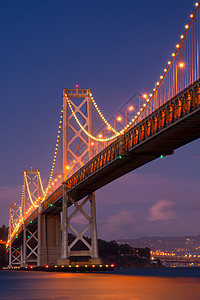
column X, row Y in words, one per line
column 66, row 248
column 33, row 236
column 16, row 256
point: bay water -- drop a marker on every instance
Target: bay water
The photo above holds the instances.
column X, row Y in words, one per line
column 126, row 284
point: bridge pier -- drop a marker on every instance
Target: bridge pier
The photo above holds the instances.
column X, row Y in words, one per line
column 50, row 239
column 68, row 253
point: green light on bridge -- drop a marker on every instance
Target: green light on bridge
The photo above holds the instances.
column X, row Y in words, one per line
column 51, row 204
column 29, row 236
column 16, row 236
column 31, row 222
column 161, row 156
column 72, row 204
column 120, row 157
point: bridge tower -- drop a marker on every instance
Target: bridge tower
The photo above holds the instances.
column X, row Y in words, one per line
column 15, row 251
column 77, row 150
column 33, row 191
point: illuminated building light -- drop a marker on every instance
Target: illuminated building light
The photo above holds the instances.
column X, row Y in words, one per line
column 62, row 266
column 46, row 266
column 112, row 265
column 93, row 266
column 70, row 266
column 86, row 266
column 77, row 266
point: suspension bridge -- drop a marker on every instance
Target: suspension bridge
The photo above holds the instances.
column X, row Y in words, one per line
column 154, row 127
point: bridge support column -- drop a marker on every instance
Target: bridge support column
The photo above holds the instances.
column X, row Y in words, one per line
column 50, row 239
column 93, row 224
column 39, row 236
column 24, row 248
column 64, row 245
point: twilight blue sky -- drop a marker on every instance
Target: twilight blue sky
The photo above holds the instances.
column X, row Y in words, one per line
column 115, row 48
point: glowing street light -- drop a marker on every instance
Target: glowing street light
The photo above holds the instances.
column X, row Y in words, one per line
column 130, row 108
column 181, row 65
column 144, row 96
column 118, row 119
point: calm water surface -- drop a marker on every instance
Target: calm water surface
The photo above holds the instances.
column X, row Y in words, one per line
column 133, row 284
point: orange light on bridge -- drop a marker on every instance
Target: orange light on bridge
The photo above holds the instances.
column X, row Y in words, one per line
column 119, row 119
column 181, row 65
column 67, row 167
column 100, row 136
column 144, row 96
column 131, row 108
column 92, row 143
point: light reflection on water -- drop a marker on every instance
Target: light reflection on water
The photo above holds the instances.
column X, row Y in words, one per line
column 101, row 286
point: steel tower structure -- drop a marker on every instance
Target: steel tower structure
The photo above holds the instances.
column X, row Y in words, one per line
column 74, row 158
